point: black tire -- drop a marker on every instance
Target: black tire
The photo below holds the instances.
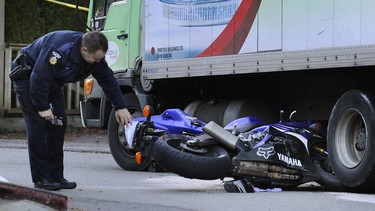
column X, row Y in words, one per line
column 225, row 111
column 208, row 111
column 214, row 164
column 124, row 156
column 328, row 180
column 193, row 107
column 351, row 140
column 246, row 107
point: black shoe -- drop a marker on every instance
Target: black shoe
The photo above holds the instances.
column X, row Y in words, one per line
column 65, row 184
column 230, row 187
column 238, row 186
column 47, row 185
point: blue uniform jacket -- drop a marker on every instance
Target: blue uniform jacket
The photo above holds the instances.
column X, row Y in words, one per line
column 56, row 57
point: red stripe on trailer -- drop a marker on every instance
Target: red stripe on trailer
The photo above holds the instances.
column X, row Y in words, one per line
column 231, row 39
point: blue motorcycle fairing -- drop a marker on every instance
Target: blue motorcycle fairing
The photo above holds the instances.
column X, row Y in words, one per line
column 243, row 124
column 175, row 121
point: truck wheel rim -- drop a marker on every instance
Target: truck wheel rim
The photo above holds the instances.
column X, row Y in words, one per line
column 351, row 138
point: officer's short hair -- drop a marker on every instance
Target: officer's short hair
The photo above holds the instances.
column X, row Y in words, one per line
column 94, row 41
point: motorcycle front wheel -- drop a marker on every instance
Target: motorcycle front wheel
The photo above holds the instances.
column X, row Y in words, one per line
column 122, row 154
column 213, row 163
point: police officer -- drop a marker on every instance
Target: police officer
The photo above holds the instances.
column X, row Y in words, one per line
column 55, row 59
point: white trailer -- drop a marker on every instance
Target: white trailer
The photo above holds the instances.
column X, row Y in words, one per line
column 224, row 59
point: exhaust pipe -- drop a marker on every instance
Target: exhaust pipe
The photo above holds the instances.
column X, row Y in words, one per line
column 222, row 135
column 265, row 170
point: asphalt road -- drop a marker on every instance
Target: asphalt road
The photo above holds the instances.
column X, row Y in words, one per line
column 103, row 185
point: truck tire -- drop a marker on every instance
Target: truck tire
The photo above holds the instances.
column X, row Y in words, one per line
column 193, row 107
column 225, row 111
column 214, row 164
column 124, row 156
column 351, row 140
column 246, row 107
column 208, row 110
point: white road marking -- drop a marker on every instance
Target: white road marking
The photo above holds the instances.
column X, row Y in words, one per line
column 356, row 197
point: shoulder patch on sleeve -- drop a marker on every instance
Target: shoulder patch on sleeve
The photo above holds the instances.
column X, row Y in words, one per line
column 54, row 58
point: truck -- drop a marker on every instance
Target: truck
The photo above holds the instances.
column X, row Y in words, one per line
column 224, row 59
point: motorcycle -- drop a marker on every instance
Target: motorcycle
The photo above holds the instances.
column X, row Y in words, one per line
column 132, row 150
column 279, row 155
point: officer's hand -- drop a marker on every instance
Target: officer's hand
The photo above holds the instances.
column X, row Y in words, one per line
column 123, row 116
column 47, row 114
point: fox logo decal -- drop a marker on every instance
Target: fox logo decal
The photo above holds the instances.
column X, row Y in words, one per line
column 266, row 152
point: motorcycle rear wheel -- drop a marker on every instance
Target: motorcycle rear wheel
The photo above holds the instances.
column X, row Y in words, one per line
column 211, row 165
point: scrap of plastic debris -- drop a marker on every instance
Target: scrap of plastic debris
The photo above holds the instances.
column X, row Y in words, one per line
column 257, row 190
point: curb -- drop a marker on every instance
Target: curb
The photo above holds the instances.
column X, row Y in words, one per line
column 69, row 146
column 16, row 197
column 17, row 125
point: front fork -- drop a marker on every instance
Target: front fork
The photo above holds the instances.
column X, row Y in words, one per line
column 145, row 136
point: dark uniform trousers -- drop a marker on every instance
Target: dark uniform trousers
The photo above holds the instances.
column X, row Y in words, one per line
column 45, row 140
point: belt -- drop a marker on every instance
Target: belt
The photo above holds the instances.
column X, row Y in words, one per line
column 22, row 70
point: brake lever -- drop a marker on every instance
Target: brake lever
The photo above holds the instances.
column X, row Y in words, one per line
column 193, row 121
